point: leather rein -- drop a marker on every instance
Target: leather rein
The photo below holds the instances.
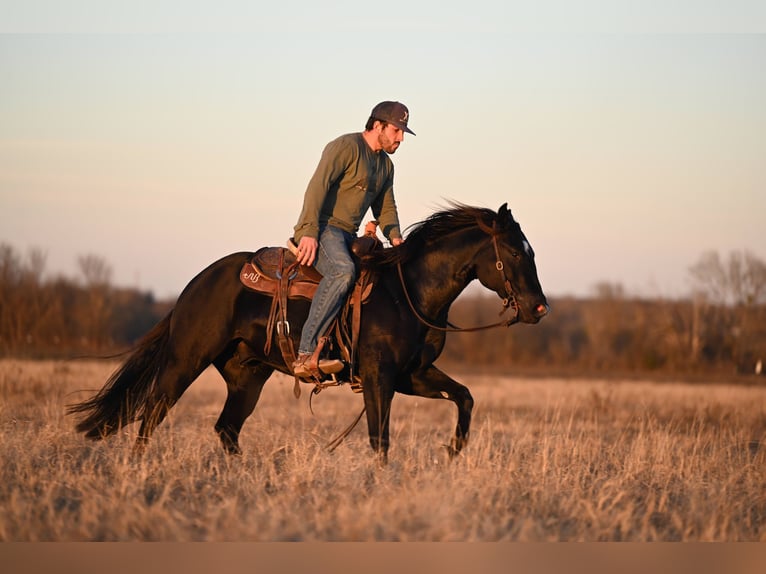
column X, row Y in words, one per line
column 508, row 302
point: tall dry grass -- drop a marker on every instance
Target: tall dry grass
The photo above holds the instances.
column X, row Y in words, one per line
column 548, row 460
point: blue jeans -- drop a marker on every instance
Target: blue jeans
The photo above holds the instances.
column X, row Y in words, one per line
column 335, row 264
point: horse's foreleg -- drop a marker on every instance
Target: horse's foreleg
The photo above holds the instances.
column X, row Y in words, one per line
column 377, row 401
column 434, row 384
column 244, row 384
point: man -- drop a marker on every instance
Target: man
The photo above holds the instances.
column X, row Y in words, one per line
column 354, row 174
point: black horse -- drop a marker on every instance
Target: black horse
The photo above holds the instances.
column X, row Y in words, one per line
column 216, row 320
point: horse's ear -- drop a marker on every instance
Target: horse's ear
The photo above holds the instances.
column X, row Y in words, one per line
column 503, row 215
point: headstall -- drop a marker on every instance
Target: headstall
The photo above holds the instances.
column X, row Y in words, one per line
column 508, row 302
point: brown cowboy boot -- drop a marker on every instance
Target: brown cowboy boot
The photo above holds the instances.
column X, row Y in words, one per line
column 306, row 366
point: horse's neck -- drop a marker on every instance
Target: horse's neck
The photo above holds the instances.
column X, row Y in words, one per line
column 436, row 278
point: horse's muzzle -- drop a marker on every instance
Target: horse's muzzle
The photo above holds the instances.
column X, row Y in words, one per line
column 538, row 312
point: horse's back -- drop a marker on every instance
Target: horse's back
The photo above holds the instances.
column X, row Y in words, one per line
column 203, row 317
column 218, row 272
column 213, row 289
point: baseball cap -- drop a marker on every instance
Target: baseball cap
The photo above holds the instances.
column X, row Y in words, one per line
column 394, row 113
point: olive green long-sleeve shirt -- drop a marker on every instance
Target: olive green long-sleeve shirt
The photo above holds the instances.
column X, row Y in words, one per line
column 350, row 179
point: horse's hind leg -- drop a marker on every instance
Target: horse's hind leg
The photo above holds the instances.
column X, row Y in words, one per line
column 244, row 384
column 433, row 383
column 172, row 380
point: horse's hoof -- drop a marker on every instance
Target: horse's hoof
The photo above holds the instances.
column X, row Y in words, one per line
column 452, row 451
column 233, row 450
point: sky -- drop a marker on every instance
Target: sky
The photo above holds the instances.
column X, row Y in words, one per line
column 163, row 136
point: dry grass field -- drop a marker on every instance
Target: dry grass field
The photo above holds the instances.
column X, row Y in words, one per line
column 548, row 460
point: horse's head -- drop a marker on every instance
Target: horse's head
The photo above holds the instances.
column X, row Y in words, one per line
column 507, row 267
column 451, row 248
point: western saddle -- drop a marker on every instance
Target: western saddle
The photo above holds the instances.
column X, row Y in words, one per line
column 275, row 271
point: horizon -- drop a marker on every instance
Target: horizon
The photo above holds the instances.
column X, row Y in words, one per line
column 624, row 156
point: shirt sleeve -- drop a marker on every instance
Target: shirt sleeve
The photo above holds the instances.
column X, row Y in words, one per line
column 332, row 165
column 384, row 210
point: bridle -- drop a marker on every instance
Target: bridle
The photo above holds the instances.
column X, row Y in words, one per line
column 508, row 302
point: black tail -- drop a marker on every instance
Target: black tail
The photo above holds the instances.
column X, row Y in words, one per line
column 123, row 398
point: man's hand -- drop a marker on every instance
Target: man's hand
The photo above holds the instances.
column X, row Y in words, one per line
column 307, row 250
column 397, row 241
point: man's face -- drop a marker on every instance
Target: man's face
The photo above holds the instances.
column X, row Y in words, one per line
column 389, row 138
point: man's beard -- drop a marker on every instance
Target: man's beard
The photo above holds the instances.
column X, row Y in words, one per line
column 387, row 145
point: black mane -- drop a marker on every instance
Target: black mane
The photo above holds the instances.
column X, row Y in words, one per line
column 456, row 218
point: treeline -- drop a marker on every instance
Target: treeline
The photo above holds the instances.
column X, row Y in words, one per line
column 59, row 317
column 720, row 327
column 615, row 335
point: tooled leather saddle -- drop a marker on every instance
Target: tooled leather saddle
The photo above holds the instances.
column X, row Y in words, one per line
column 275, row 271
column 271, row 266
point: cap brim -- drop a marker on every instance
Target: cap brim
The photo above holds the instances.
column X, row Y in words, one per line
column 399, row 125
column 403, row 128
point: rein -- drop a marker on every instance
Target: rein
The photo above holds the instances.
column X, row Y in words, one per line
column 509, row 301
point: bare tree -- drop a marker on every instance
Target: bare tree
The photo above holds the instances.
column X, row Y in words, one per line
column 97, row 274
column 10, row 274
column 95, row 270
column 741, row 280
column 729, row 296
column 748, row 277
column 22, row 298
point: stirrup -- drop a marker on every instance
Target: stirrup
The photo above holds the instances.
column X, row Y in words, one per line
column 330, row 366
column 311, row 371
